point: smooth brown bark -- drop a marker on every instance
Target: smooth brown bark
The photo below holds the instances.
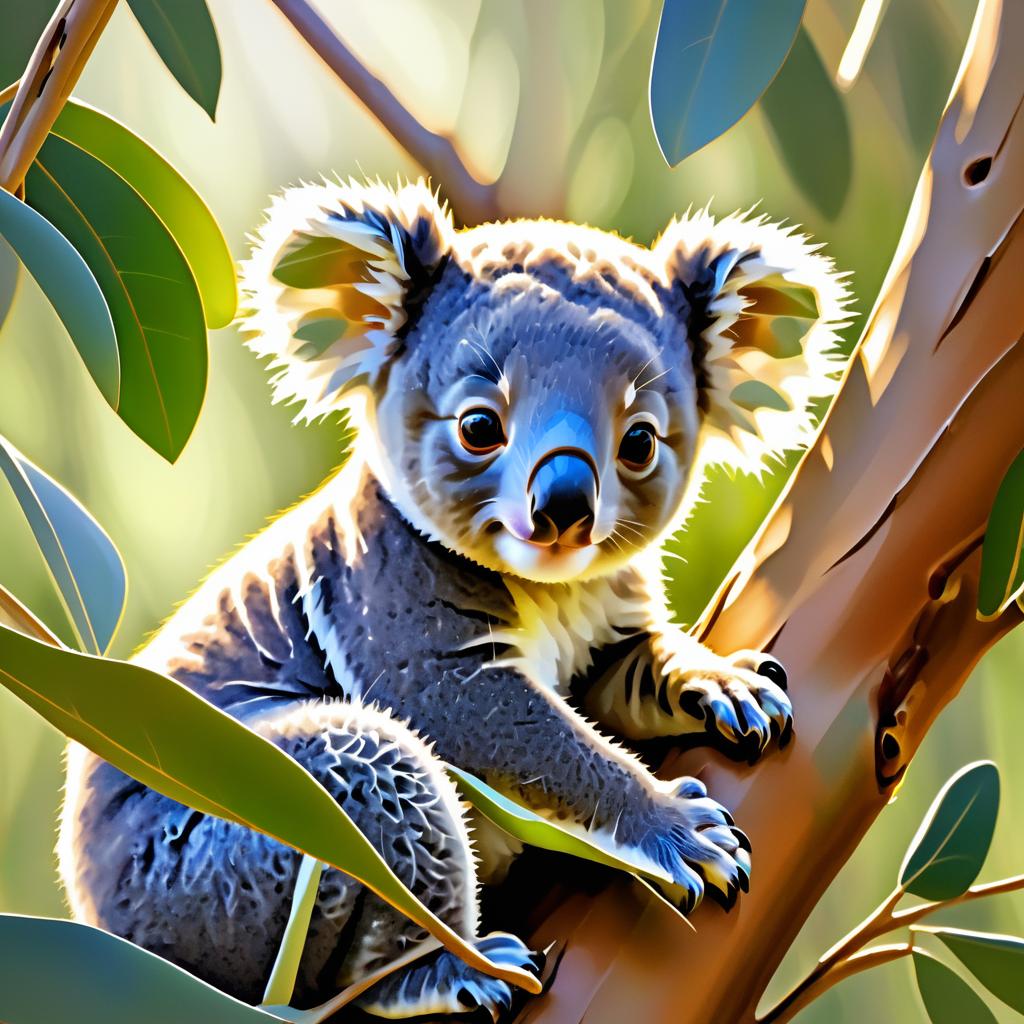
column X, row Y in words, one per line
column 863, row 580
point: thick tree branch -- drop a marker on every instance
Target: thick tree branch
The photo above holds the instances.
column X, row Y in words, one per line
column 52, row 72
column 863, row 581
column 473, row 201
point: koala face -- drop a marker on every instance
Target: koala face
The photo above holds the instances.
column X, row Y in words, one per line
column 532, row 432
column 537, row 390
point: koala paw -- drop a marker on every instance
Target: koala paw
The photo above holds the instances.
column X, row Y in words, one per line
column 442, row 984
column 694, row 839
column 741, row 701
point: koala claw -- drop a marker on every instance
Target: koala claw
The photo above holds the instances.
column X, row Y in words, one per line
column 444, row 984
column 742, row 700
column 695, row 841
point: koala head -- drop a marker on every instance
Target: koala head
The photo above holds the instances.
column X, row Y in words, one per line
column 536, row 391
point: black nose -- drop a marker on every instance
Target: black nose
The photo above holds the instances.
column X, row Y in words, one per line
column 563, row 495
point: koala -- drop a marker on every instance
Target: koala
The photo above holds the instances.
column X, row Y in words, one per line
column 479, row 585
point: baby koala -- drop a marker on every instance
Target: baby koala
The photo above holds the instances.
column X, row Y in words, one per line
column 479, row 585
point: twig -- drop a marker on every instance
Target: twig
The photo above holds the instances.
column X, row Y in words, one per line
column 832, row 967
column 799, row 999
column 474, row 200
column 51, row 74
column 13, row 613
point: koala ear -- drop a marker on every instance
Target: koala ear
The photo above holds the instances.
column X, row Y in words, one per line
column 762, row 309
column 332, row 274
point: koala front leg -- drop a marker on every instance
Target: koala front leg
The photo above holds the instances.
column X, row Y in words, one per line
column 527, row 741
column 663, row 682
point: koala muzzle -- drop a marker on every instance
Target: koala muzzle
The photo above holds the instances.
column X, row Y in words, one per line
column 563, row 497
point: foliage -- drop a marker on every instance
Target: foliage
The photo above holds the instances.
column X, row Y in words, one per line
column 137, row 269
column 941, row 865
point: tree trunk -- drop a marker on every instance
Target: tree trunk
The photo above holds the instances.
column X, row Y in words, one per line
column 863, row 581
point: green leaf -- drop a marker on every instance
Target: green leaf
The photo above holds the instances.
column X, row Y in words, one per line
column 281, row 984
column 534, row 830
column 68, row 283
column 947, row 998
column 82, row 559
column 1002, row 567
column 711, row 63
column 807, row 122
column 173, row 200
column 997, row 961
column 951, row 845
column 170, row 739
column 54, row 971
column 182, row 33
column 20, row 35
column 9, row 273
column 153, row 298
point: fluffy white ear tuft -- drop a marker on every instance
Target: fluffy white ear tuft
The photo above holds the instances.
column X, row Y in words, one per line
column 763, row 308
column 325, row 290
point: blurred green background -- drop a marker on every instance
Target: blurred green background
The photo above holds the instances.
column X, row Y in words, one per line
column 566, row 81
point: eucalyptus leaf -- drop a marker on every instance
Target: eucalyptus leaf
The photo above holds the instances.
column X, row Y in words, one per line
column 951, row 845
column 148, row 285
column 69, row 284
column 997, row 961
column 1002, row 566
column 531, row 828
column 947, row 998
column 170, row 739
column 281, row 984
column 10, row 270
column 82, row 560
column 174, row 201
column 182, row 33
column 807, row 121
column 56, row 971
column 712, row 61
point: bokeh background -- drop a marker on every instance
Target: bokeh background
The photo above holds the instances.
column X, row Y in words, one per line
column 565, row 83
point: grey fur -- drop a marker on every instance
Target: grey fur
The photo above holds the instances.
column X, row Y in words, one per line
column 403, row 605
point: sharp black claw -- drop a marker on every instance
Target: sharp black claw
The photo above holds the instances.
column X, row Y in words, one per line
column 726, row 900
column 773, row 671
column 741, row 838
column 744, row 880
column 786, row 735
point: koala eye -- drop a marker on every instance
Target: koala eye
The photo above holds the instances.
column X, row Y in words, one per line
column 637, row 448
column 480, row 431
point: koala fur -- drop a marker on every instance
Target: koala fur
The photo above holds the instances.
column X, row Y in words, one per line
column 442, row 600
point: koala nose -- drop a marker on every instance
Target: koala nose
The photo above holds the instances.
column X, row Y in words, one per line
column 563, row 496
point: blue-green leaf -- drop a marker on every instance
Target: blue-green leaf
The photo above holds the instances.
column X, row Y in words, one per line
column 1002, row 564
column 60, row 971
column 182, row 33
column 70, row 286
column 951, row 845
column 174, row 201
column 997, row 961
column 147, row 282
column 712, row 61
column 170, row 739
column 807, row 121
column 947, row 998
column 81, row 558
column 9, row 271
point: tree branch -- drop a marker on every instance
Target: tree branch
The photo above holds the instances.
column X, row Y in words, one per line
column 864, row 579
column 53, row 70
column 473, row 200
column 830, row 970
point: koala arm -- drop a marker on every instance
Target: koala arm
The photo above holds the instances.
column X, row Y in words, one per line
column 661, row 681
column 526, row 740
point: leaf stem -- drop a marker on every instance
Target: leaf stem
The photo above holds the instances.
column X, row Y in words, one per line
column 16, row 615
column 435, row 153
column 53, row 69
column 833, row 967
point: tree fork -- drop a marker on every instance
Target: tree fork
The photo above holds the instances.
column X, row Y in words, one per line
column 863, row 580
